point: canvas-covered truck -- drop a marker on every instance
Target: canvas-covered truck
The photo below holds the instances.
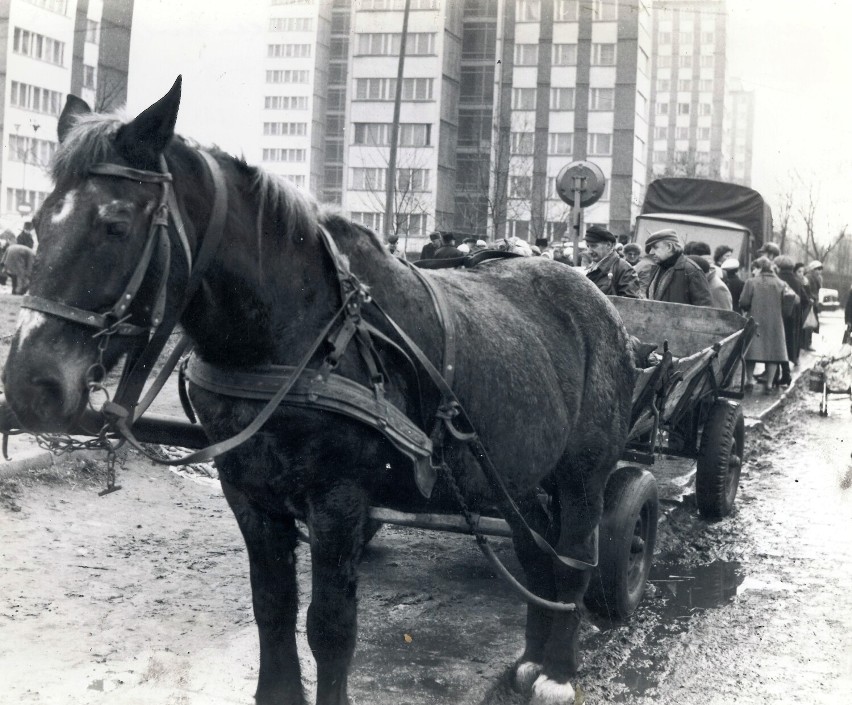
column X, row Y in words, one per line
column 715, row 212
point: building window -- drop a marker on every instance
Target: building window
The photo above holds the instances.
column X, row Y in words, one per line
column 660, row 157
column 290, row 24
column 377, row 134
column 664, row 61
column 31, row 150
column 560, row 143
column 685, row 61
column 685, row 38
column 297, row 179
column 371, row 220
column 285, row 102
column 285, row 128
column 665, row 37
column 600, row 144
column 707, row 61
column 520, row 186
column 705, row 109
column 662, row 108
column 706, row 85
column 663, row 84
column 479, row 40
column 38, row 46
column 564, row 54
column 708, row 38
column 684, row 85
column 39, row 100
column 277, row 154
column 704, row 133
column 603, row 54
column 288, row 76
column 477, row 84
column 683, row 108
column 385, row 88
column 527, row 11
column 388, row 44
column 561, row 98
column 605, row 10
column 302, row 51
column 522, row 142
column 661, row 133
column 566, row 11
column 93, row 31
column 682, row 133
column 368, row 179
column 58, row 6
column 412, row 223
column 602, row 99
column 336, row 99
column 526, row 54
column 409, row 180
column 89, row 76
column 523, row 98
column 518, row 228
column 16, row 197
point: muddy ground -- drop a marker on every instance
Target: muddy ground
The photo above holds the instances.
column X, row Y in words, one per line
column 142, row 596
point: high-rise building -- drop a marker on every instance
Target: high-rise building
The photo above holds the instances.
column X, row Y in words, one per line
column 739, row 135
column 51, row 48
column 688, row 88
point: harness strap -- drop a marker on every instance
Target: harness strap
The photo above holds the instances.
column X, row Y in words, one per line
column 126, row 172
column 204, row 455
column 78, row 315
column 504, row 500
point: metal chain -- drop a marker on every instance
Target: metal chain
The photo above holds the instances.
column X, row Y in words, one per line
column 465, row 510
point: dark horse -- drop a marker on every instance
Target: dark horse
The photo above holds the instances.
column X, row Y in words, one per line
column 542, row 368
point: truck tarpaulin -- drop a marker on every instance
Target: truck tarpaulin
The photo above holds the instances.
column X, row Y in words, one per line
column 711, row 199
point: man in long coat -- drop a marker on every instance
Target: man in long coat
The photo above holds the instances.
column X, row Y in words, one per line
column 677, row 278
column 18, row 265
column 611, row 274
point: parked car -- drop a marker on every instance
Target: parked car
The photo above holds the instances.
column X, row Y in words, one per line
column 828, row 299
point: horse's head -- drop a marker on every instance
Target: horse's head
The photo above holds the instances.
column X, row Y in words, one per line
column 94, row 229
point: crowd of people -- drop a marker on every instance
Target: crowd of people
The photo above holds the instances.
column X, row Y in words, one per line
column 781, row 295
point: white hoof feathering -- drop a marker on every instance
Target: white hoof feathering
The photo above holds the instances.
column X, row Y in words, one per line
column 549, row 692
column 525, row 675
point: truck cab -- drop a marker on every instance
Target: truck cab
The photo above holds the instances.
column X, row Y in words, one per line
column 696, row 228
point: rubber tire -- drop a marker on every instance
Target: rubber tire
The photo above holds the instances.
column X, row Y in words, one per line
column 717, row 476
column 628, row 533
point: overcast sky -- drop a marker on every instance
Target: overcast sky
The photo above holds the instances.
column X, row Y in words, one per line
column 795, row 54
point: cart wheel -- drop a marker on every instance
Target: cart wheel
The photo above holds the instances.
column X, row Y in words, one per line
column 720, row 460
column 628, row 532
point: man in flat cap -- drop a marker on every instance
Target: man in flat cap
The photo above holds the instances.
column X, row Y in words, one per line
column 677, row 278
column 611, row 274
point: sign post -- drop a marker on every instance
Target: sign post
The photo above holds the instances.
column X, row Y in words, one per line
column 579, row 184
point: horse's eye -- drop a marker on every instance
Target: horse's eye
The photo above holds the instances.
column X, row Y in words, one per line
column 117, row 229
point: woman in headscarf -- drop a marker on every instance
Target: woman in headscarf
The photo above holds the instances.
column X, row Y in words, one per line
column 761, row 299
column 793, row 319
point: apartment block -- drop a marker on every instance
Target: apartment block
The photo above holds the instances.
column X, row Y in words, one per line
column 738, row 145
column 49, row 48
column 496, row 97
column 688, row 88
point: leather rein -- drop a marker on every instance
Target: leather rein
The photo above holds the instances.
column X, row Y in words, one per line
column 346, row 325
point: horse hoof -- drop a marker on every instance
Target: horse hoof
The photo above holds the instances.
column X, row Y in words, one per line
column 525, row 675
column 550, row 692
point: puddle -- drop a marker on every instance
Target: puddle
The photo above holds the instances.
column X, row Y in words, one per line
column 678, row 593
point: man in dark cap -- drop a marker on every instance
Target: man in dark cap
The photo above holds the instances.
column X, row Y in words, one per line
column 611, row 274
column 448, row 249
column 25, row 237
column 677, row 278
column 428, row 251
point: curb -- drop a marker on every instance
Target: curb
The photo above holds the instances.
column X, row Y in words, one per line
column 756, row 423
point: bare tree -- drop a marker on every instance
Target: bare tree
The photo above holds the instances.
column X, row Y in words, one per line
column 111, row 90
column 785, row 211
column 812, row 246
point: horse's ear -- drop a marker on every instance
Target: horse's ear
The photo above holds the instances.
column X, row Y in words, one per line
column 74, row 106
column 149, row 132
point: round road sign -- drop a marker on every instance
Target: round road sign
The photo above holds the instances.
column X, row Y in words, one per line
column 587, row 176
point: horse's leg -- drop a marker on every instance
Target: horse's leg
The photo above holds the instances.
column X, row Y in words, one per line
column 337, row 519
column 538, row 569
column 581, row 505
column 271, row 543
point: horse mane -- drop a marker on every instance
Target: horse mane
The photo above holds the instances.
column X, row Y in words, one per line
column 285, row 209
column 87, row 143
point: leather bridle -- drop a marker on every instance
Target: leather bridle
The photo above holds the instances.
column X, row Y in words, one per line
column 151, row 338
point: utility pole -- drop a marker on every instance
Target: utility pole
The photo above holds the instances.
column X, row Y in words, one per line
column 390, row 185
